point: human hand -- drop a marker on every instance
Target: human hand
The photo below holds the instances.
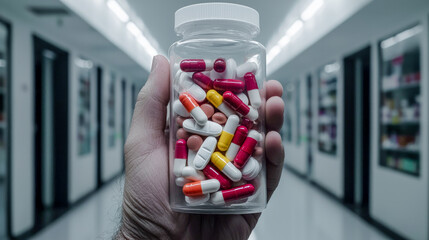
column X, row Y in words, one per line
column 146, row 212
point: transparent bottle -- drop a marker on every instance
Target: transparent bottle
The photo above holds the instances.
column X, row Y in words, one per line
column 217, row 129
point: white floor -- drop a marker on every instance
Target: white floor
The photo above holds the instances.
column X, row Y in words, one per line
column 297, row 211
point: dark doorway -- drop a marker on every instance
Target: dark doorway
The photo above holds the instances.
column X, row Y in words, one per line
column 357, row 96
column 99, row 124
column 309, row 110
column 51, row 119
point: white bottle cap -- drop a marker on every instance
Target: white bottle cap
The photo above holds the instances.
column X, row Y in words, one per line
column 214, row 12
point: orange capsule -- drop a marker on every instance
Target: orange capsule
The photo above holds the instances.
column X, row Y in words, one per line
column 193, row 108
column 201, row 187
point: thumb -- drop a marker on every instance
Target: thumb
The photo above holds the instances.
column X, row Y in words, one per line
column 148, row 122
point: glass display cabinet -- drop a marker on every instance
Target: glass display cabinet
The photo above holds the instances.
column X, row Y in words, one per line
column 400, row 101
column 327, row 108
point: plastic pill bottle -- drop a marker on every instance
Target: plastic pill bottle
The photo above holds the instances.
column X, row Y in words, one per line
column 217, row 129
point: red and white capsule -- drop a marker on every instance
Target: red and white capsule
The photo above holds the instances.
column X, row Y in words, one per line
column 233, row 85
column 239, row 106
column 239, row 137
column 219, row 65
column 180, row 156
column 247, row 148
column 213, row 173
column 202, row 80
column 199, row 188
column 252, row 90
column 196, row 65
column 193, row 108
column 240, row 192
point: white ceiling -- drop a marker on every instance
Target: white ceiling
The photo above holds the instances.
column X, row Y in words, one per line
column 158, row 16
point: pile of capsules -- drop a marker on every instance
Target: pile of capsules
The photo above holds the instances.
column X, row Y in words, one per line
column 216, row 154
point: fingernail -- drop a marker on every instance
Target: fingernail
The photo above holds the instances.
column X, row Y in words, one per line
column 154, row 63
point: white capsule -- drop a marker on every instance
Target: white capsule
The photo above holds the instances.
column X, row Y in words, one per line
column 210, row 186
column 243, row 98
column 228, row 132
column 199, row 116
column 232, row 151
column 225, row 109
column 232, row 172
column 231, row 69
column 179, row 164
column 192, row 174
column 179, row 109
column 255, row 98
column 204, row 153
column 255, row 135
column 217, row 198
column 252, row 114
column 245, row 68
column 187, row 85
column 181, row 181
column 209, row 129
column 251, row 169
column 193, row 201
column 191, row 157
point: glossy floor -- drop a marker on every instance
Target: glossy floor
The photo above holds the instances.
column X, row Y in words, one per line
column 296, row 211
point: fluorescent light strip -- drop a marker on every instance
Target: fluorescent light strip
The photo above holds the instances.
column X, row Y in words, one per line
column 273, row 53
column 141, row 39
column 401, row 36
column 118, row 10
column 311, row 9
column 294, row 28
column 133, row 29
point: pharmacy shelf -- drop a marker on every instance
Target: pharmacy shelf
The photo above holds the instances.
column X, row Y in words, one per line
column 401, row 150
column 402, row 87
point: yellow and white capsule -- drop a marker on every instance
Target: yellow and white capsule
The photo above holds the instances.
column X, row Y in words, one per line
column 226, row 166
column 217, row 100
column 228, row 132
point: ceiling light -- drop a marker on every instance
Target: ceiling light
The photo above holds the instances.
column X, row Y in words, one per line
column 82, row 63
column 401, row 36
column 284, row 41
column 311, row 9
column 147, row 46
column 330, row 68
column 118, row 10
column 273, row 53
column 134, row 30
column 294, row 28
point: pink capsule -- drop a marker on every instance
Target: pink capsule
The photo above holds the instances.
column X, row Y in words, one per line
column 238, row 139
column 180, row 156
column 196, row 65
column 239, row 106
column 233, row 85
column 202, row 80
column 219, row 65
column 247, row 148
column 252, row 90
column 247, row 123
column 232, row 194
column 213, row 173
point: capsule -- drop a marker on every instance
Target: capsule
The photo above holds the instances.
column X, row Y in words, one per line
column 245, row 68
column 209, row 129
column 243, row 98
column 179, row 109
column 233, row 85
column 193, row 108
column 247, row 148
column 239, row 106
column 228, row 132
column 196, row 65
column 231, row 69
column 217, row 100
column 192, row 201
column 247, row 123
column 180, row 156
column 240, row 192
column 199, row 188
column 239, row 137
column 252, row 90
column 192, row 174
column 204, row 153
column 185, row 84
column 223, row 164
column 251, row 169
column 181, row 181
column 213, row 173
column 202, row 80
column 219, row 65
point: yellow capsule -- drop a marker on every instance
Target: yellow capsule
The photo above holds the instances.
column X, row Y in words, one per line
column 219, row 160
column 228, row 132
column 214, row 97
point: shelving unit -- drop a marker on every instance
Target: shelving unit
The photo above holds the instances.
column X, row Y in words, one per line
column 4, row 61
column 400, row 94
column 327, row 109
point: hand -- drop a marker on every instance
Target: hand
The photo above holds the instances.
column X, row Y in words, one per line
column 146, row 213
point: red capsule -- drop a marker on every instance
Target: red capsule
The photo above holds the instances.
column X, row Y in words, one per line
column 235, row 103
column 219, row 65
column 247, row 149
column 181, row 151
column 233, row 85
column 213, row 173
column 236, row 193
column 240, row 135
column 250, row 80
column 202, row 80
column 196, row 65
column 247, row 123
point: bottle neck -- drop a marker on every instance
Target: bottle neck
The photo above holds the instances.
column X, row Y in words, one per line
column 231, row 30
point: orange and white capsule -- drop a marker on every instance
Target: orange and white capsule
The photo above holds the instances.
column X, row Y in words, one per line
column 199, row 188
column 193, row 108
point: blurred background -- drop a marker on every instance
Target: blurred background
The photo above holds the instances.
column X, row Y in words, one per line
column 356, row 127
